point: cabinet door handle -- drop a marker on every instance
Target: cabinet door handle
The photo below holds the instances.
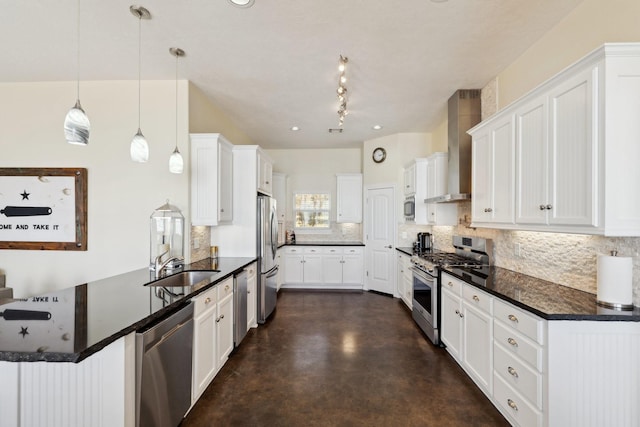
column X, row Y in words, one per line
column 461, row 315
column 450, row 284
column 221, row 210
column 542, row 207
column 248, row 291
column 389, row 247
column 512, row 404
column 266, row 182
column 513, row 318
column 222, row 317
column 207, row 301
column 512, row 342
column 512, row 371
column 475, row 298
column 226, row 288
column 218, row 320
column 458, row 312
column 549, row 207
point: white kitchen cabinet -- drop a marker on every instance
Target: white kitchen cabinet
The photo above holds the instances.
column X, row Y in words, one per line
column 349, row 198
column 493, row 173
column 576, row 165
column 211, row 179
column 265, row 173
column 312, row 265
column 224, row 327
column 212, row 334
column 204, row 342
column 303, row 265
column 405, row 280
column 467, row 329
column 436, row 185
column 252, row 296
column 410, row 180
column 280, row 194
column 331, row 267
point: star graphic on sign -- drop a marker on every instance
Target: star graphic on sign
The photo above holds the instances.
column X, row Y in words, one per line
column 23, row 331
column 25, row 195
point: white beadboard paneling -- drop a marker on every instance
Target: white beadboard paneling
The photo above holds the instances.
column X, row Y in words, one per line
column 95, row 392
column 9, row 372
column 594, row 374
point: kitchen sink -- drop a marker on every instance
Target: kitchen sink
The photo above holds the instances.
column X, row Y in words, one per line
column 186, row 278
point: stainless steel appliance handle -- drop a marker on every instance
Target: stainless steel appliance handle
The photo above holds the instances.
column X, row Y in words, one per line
column 272, row 273
column 422, row 275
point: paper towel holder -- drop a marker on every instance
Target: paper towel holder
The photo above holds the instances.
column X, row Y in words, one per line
column 611, row 305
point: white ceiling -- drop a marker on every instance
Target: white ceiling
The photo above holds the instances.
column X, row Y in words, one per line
column 274, row 65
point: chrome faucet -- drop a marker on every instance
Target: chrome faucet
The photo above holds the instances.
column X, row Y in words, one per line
column 161, row 266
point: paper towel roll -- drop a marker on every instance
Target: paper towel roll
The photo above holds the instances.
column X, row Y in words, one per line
column 615, row 281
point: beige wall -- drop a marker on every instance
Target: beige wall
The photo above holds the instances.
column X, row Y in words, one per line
column 121, row 194
column 591, row 24
column 315, row 170
column 204, row 117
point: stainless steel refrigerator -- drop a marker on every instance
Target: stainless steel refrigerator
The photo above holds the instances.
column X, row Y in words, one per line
column 267, row 247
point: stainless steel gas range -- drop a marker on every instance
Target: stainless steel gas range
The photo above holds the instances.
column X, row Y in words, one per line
column 473, row 256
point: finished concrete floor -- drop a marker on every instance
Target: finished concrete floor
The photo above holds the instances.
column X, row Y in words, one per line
column 341, row 359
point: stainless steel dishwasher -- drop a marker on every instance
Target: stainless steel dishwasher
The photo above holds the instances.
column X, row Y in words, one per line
column 163, row 369
column 239, row 307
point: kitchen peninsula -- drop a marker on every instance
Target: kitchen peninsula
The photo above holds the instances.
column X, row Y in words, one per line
column 91, row 327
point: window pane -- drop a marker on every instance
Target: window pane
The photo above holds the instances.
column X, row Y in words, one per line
column 312, row 201
column 317, row 219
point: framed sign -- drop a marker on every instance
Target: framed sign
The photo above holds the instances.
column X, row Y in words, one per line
column 43, row 208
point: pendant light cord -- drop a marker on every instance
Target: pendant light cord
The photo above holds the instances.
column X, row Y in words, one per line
column 139, row 66
column 177, row 101
column 78, row 52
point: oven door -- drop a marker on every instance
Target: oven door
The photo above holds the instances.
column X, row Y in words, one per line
column 425, row 303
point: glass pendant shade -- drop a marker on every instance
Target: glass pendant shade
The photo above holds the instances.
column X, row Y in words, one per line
column 77, row 126
column 139, row 148
column 176, row 164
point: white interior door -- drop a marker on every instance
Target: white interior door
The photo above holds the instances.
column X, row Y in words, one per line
column 379, row 239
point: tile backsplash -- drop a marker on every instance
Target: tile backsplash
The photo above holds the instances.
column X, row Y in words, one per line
column 338, row 232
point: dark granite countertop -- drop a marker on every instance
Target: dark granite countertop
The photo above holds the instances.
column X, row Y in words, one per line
column 80, row 321
column 546, row 299
column 404, row 250
column 326, row 243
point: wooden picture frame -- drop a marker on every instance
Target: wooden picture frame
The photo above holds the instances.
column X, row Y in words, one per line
column 48, row 214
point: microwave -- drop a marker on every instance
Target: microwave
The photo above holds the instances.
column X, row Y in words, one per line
column 410, row 208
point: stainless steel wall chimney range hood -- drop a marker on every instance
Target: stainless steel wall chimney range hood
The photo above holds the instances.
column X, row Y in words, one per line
column 464, row 113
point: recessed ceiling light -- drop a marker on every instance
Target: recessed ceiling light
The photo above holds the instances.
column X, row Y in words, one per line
column 242, row 3
column 295, row 128
column 376, row 127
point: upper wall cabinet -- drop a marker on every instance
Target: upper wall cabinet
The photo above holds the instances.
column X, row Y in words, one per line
column 410, row 179
column 576, row 151
column 349, row 198
column 211, row 179
column 265, row 173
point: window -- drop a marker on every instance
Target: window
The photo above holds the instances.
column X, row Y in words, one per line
column 312, row 210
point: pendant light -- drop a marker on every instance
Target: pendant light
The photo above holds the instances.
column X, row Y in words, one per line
column 176, row 164
column 76, row 123
column 139, row 147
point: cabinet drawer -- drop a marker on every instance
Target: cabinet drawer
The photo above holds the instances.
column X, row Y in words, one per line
column 515, row 405
column 332, row 250
column 350, row 250
column 292, row 250
column 312, row 250
column 452, row 284
column 517, row 319
column 252, row 270
column 518, row 375
column 518, row 345
column 204, row 301
column 477, row 298
column 225, row 288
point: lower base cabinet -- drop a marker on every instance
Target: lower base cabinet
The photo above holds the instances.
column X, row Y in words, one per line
column 323, row 267
column 212, row 334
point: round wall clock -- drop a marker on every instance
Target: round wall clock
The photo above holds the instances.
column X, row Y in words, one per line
column 379, row 154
